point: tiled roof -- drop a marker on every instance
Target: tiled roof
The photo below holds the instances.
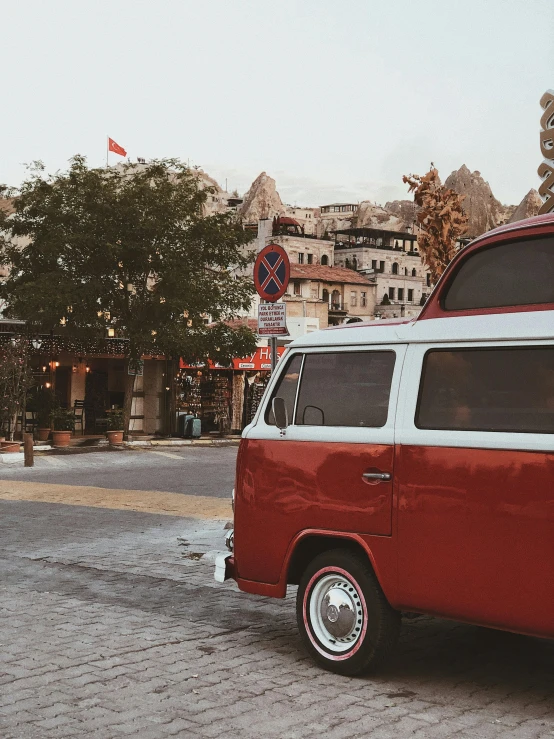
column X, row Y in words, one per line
column 327, row 274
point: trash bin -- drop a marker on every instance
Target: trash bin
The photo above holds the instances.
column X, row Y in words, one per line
column 182, row 419
column 193, row 428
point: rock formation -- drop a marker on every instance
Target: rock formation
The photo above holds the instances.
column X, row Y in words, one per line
column 262, row 200
column 370, row 215
column 405, row 210
column 484, row 211
column 528, row 207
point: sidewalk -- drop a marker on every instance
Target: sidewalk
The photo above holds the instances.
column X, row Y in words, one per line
column 84, row 444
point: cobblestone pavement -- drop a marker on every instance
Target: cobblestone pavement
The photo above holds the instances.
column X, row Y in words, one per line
column 111, row 626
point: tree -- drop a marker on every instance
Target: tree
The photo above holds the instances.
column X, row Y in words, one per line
column 126, row 248
column 15, row 380
column 441, row 219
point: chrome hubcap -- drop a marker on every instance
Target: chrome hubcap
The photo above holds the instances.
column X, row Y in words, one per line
column 336, row 613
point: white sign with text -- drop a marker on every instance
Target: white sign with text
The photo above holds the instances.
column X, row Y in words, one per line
column 272, row 319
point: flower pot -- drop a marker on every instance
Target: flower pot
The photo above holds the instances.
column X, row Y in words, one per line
column 9, row 446
column 43, row 434
column 115, row 437
column 61, row 438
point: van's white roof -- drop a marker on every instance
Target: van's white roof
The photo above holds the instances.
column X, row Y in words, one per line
column 496, row 327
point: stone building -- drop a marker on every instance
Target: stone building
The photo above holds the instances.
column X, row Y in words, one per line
column 333, row 294
column 391, row 260
column 306, row 217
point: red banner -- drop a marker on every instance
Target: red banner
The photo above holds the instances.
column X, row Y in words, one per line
column 259, row 361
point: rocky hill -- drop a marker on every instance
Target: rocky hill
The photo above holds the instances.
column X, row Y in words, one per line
column 262, row 200
column 404, row 210
column 370, row 215
column 528, row 207
column 484, row 211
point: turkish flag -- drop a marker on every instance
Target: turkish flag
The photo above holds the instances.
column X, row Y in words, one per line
column 116, row 148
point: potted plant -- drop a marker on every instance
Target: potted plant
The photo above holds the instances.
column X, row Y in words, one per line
column 45, row 406
column 115, row 426
column 64, row 425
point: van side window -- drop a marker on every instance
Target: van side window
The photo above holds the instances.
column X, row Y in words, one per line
column 286, row 389
column 521, row 273
column 500, row 389
column 345, row 389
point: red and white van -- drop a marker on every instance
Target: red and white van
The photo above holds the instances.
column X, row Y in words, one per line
column 411, row 467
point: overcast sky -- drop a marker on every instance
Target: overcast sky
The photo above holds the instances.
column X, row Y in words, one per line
column 335, row 99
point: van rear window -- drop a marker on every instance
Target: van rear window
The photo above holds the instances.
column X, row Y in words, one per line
column 502, row 389
column 520, row 273
column 345, row 389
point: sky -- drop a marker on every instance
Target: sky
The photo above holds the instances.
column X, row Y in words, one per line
column 335, row 99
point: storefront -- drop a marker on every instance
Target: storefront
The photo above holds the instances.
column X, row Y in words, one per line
column 224, row 398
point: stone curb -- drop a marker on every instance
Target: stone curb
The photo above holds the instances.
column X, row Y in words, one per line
column 181, row 442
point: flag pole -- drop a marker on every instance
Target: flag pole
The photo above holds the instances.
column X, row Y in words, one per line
column 107, row 148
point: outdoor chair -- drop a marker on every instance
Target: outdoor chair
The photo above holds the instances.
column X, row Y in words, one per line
column 30, row 422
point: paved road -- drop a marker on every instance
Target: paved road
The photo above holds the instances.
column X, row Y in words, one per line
column 111, row 625
column 194, row 471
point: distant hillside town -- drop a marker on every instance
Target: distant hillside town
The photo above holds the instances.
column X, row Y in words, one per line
column 355, row 261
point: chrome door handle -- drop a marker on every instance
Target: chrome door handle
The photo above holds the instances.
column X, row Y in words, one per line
column 376, row 476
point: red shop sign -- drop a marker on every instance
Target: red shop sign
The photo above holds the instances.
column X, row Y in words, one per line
column 259, row 361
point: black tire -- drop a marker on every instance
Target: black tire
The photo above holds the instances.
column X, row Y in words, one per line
column 339, row 591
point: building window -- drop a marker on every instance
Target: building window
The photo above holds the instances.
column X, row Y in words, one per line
column 363, row 300
column 406, row 271
column 428, row 280
column 400, row 293
column 353, row 298
column 414, row 273
column 297, row 288
column 391, row 293
column 381, row 266
column 354, row 263
column 347, row 263
column 310, row 258
column 325, row 260
column 374, row 264
column 410, row 296
column 325, row 296
column 395, row 268
column 315, row 291
column 300, row 258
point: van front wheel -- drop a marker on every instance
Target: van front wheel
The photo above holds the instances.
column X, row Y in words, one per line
column 345, row 621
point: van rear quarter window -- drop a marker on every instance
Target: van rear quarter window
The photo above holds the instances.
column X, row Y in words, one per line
column 497, row 389
column 517, row 273
column 345, row 389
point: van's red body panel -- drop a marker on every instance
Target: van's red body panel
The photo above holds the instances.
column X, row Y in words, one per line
column 286, row 487
column 475, row 535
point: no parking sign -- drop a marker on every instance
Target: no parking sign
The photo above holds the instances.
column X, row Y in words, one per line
column 272, row 272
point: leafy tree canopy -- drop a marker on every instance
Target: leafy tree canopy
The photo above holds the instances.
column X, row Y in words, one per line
column 127, row 248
